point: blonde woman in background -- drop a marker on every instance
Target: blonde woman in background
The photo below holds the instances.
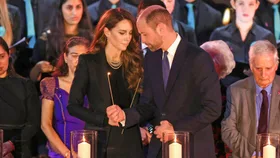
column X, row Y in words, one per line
column 5, row 23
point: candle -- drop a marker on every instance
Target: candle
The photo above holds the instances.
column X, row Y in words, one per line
column 269, row 151
column 175, row 150
column 84, row 149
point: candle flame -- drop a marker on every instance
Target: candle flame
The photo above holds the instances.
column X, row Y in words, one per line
column 226, row 17
column 268, row 142
column 109, row 73
column 84, row 139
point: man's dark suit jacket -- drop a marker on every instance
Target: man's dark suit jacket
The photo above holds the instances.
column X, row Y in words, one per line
column 42, row 11
column 98, row 8
column 265, row 15
column 206, row 18
column 191, row 102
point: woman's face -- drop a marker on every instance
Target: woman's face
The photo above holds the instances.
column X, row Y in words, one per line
column 169, row 5
column 120, row 36
column 245, row 9
column 72, row 11
column 73, row 56
column 4, row 62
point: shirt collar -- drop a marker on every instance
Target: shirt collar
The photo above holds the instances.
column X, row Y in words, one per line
column 195, row 3
column 259, row 89
column 172, row 49
column 233, row 28
column 108, row 4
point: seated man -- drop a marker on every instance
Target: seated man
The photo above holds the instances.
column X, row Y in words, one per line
column 252, row 103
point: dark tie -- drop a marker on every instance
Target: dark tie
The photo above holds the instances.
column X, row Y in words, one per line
column 165, row 68
column 262, row 128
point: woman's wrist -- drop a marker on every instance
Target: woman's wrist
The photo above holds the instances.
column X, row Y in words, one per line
column 67, row 154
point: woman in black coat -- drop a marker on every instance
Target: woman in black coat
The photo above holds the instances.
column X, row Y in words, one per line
column 114, row 50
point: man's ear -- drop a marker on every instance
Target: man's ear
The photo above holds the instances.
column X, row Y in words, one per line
column 160, row 28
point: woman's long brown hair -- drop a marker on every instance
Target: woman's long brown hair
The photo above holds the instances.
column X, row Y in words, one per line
column 132, row 57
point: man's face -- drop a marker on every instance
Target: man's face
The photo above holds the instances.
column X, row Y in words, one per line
column 264, row 69
column 149, row 36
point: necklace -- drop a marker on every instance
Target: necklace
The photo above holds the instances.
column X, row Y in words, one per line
column 114, row 64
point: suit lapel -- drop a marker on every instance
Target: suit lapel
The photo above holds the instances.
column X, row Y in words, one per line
column 178, row 60
column 251, row 100
column 275, row 98
column 102, row 79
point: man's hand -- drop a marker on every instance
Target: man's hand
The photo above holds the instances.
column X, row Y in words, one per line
column 165, row 126
column 145, row 135
column 115, row 114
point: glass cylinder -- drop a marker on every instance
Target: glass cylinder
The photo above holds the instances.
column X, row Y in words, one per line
column 176, row 145
column 1, row 142
column 267, row 145
column 84, row 144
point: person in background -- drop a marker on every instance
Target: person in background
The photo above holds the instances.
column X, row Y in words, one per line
column 56, row 122
column 268, row 16
column 98, row 8
column 253, row 103
column 6, row 31
column 19, row 108
column 224, row 63
column 114, row 50
column 71, row 19
column 199, row 16
column 239, row 35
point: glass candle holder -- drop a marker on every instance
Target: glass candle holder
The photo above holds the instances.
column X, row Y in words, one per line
column 84, row 144
column 176, row 145
column 1, row 143
column 267, row 145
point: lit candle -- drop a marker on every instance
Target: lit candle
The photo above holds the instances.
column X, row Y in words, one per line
column 84, row 149
column 226, row 17
column 269, row 151
column 175, row 149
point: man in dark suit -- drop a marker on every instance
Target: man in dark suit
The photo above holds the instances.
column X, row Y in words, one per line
column 42, row 11
column 265, row 15
column 180, row 93
column 206, row 18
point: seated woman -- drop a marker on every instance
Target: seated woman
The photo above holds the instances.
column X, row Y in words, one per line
column 19, row 108
column 224, row 64
column 239, row 35
column 71, row 19
column 56, row 121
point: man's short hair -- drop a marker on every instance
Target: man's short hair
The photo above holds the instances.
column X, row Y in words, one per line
column 262, row 47
column 221, row 55
column 155, row 14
